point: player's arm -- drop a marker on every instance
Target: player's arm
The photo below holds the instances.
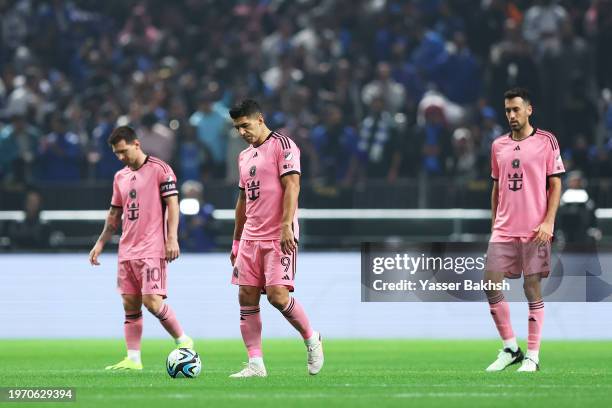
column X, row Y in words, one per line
column 172, row 246
column 494, row 201
column 111, row 225
column 291, row 191
column 545, row 230
column 239, row 220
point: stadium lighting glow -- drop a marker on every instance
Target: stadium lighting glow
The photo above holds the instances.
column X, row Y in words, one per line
column 574, row 196
column 189, row 206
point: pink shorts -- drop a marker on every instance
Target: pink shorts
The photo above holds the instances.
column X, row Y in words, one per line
column 516, row 256
column 262, row 263
column 142, row 277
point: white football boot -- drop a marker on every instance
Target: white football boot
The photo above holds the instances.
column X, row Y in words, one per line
column 505, row 358
column 251, row 370
column 528, row 366
column 315, row 355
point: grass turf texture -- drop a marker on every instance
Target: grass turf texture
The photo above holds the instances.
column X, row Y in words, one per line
column 357, row 373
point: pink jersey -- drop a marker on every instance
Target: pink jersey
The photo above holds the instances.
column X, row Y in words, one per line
column 522, row 169
column 140, row 194
column 261, row 169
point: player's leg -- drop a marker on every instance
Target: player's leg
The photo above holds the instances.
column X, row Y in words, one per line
column 248, row 274
column 279, row 297
column 153, row 283
column 280, row 272
column 129, row 288
column 250, row 329
column 132, row 329
column 157, row 307
column 536, row 265
column 533, row 292
column 500, row 257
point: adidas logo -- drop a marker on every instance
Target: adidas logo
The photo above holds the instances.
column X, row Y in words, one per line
column 155, row 286
column 532, row 319
column 255, row 155
column 286, row 277
column 517, row 148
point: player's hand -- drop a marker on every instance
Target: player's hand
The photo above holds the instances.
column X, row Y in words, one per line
column 94, row 253
column 287, row 241
column 544, row 233
column 172, row 250
column 233, row 259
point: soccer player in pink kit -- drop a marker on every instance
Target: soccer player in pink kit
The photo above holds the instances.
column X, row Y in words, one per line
column 266, row 234
column 144, row 192
column 526, row 167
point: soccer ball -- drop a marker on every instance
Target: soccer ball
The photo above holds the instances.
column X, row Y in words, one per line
column 183, row 362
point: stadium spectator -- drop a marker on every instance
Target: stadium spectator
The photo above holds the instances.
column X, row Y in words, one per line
column 463, row 82
column 32, row 232
column 385, row 87
column 157, row 139
column 212, row 127
column 132, row 58
column 577, row 222
column 379, row 146
column 100, row 155
column 197, row 229
column 336, row 146
column 60, row 153
column 18, row 149
column 434, row 138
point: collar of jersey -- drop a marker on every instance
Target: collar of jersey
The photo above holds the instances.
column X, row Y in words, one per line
column 269, row 136
column 535, row 129
column 143, row 163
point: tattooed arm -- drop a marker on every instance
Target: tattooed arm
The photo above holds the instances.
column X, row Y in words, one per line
column 113, row 220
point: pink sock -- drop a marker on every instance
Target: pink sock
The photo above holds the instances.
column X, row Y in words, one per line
column 132, row 328
column 294, row 313
column 168, row 319
column 500, row 310
column 536, row 321
column 250, row 327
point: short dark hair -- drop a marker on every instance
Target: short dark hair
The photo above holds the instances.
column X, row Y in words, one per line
column 122, row 133
column 518, row 93
column 248, row 107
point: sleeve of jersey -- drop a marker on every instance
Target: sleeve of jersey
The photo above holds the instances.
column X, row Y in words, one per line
column 288, row 159
column 494, row 165
column 554, row 161
column 240, row 181
column 167, row 183
column 116, row 200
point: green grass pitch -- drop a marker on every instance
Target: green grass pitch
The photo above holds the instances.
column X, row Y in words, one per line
column 357, row 373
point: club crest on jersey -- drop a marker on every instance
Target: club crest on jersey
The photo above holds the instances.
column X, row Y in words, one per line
column 515, row 181
column 288, row 155
column 516, row 163
column 132, row 194
column 252, row 171
column 253, row 189
column 133, row 211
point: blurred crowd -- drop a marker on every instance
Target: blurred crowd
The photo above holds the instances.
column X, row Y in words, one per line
column 369, row 89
